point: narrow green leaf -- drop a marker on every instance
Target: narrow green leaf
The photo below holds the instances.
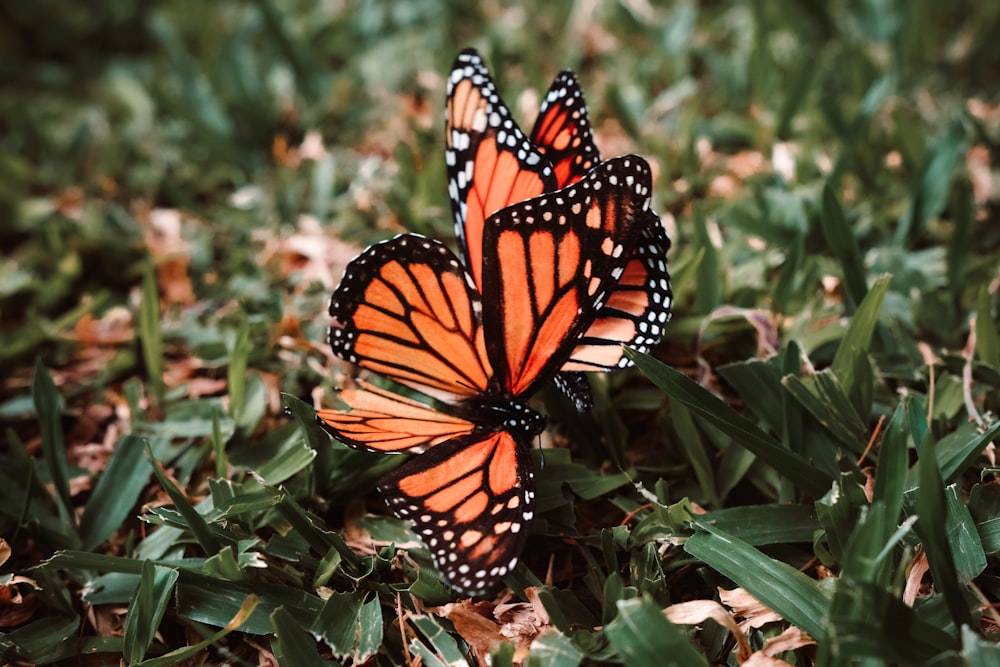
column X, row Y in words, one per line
column 218, row 447
column 978, row 653
column 963, row 212
column 48, row 407
column 40, row 641
column 843, row 246
column 642, row 635
column 744, row 432
column 824, row 397
column 369, row 630
column 213, row 601
column 694, row 448
column 554, row 649
column 960, row 448
column 337, row 623
column 156, row 585
column 857, row 340
column 890, row 476
column 197, row 524
column 966, row 545
column 987, row 338
column 237, row 371
column 766, row 524
column 783, row 589
column 186, row 653
column 117, row 491
column 151, row 333
column 294, row 646
column 709, row 293
column 444, row 645
column 932, row 528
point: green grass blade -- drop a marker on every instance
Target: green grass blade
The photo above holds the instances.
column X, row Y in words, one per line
column 642, row 635
column 156, row 585
column 783, row 589
column 744, row 432
column 987, row 338
column 293, row 645
column 844, row 247
column 890, row 476
column 554, row 649
column 931, row 526
column 857, row 340
column 151, row 333
column 117, row 491
column 825, row 398
column 196, row 523
column 48, row 407
column 236, row 374
column 188, row 652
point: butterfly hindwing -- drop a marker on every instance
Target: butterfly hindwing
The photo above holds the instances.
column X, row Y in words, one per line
column 382, row 421
column 638, row 309
column 472, row 501
column 406, row 309
column 490, row 162
column 562, row 131
column 551, row 262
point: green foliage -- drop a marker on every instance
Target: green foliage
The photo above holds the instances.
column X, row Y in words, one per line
column 180, row 186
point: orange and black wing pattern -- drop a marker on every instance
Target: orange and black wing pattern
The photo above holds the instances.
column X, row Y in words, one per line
column 406, row 309
column 551, row 263
column 638, row 309
column 490, row 162
column 472, row 501
column 562, row 131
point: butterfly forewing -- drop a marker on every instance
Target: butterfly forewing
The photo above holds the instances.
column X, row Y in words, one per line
column 491, row 164
column 551, row 262
column 562, row 131
column 471, row 500
column 406, row 309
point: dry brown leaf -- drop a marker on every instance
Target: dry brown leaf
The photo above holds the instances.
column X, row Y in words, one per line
column 696, row 612
column 914, row 578
column 747, row 607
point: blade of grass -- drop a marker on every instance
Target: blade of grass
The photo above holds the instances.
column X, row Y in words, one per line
column 682, row 388
column 151, row 333
column 292, row 644
column 642, row 635
column 156, row 585
column 117, row 491
column 197, row 524
column 188, row 652
column 780, row 587
column 857, row 340
column 931, row 526
column 843, row 246
column 987, row 339
column 48, row 407
column 237, row 371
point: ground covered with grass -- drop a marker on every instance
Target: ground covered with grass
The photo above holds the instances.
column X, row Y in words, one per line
column 802, row 473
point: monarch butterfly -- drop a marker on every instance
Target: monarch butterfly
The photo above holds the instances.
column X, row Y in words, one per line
column 492, row 164
column 410, row 310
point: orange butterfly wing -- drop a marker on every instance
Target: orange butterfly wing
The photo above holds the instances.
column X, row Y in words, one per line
column 552, row 262
column 406, row 309
column 471, row 500
column 562, row 131
column 490, row 162
column 382, row 421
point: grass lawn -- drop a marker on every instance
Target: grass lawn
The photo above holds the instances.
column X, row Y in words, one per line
column 802, row 473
